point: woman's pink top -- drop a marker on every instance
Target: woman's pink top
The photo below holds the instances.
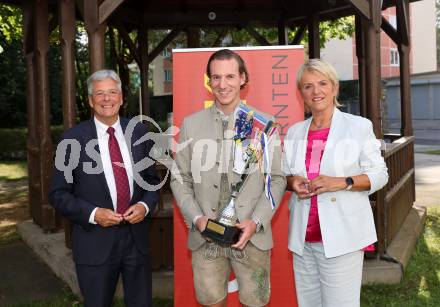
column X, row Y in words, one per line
column 315, row 148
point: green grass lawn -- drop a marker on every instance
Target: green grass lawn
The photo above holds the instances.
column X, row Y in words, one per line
column 433, row 152
column 421, row 282
column 10, row 174
column 13, row 170
column 8, row 235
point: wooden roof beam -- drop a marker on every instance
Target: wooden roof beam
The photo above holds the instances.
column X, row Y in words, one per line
column 127, row 40
column 299, row 34
column 129, row 16
column 210, row 18
column 161, row 46
column 107, row 8
column 219, row 38
column 334, row 13
column 258, row 37
column 390, row 31
column 362, row 7
column 331, row 14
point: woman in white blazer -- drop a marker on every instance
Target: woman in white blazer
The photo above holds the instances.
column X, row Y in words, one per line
column 332, row 162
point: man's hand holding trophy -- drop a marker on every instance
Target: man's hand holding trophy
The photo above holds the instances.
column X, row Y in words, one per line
column 252, row 134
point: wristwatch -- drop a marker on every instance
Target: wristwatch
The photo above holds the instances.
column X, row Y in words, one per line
column 349, row 181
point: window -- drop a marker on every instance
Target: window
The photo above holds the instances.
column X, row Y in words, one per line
column 168, row 75
column 166, row 53
column 394, row 57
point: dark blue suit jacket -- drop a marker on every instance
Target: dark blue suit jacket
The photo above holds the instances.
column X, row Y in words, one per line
column 92, row 243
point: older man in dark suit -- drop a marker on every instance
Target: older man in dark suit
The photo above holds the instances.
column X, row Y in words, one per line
column 93, row 187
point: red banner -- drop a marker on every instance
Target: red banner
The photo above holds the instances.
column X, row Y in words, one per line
column 271, row 89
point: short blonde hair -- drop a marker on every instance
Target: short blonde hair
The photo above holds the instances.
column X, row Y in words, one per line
column 322, row 67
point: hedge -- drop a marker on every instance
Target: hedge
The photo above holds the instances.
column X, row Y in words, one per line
column 14, row 142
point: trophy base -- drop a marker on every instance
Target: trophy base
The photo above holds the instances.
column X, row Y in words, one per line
column 220, row 233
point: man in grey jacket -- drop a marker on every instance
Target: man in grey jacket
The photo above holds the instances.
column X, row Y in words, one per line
column 202, row 192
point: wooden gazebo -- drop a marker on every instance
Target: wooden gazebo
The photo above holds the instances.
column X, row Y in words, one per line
column 391, row 204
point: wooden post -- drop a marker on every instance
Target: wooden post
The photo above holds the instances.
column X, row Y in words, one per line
column 95, row 32
column 313, row 32
column 67, row 26
column 371, row 30
column 282, row 33
column 47, row 218
column 405, row 91
column 144, row 62
column 193, row 37
column 33, row 150
column 360, row 54
column 405, row 73
column 372, row 70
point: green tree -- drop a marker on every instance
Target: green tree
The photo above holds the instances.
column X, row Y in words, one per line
column 12, row 72
column 10, row 24
column 82, row 72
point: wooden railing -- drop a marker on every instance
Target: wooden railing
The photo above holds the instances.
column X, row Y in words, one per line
column 394, row 201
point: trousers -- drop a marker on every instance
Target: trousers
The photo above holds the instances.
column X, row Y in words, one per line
column 327, row 282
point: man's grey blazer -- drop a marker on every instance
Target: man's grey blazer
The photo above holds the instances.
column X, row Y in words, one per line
column 196, row 182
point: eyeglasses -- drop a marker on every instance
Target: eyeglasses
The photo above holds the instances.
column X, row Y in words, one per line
column 111, row 93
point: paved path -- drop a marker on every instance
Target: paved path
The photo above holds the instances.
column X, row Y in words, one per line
column 24, row 277
column 427, row 177
column 427, row 136
column 426, row 132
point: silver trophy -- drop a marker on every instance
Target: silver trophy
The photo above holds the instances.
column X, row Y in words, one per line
column 223, row 230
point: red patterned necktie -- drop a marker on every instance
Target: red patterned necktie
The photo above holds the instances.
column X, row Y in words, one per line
column 121, row 179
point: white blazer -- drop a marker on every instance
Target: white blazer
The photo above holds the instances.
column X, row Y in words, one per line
column 346, row 218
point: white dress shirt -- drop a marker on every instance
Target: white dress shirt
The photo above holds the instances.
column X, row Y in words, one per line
column 103, row 137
